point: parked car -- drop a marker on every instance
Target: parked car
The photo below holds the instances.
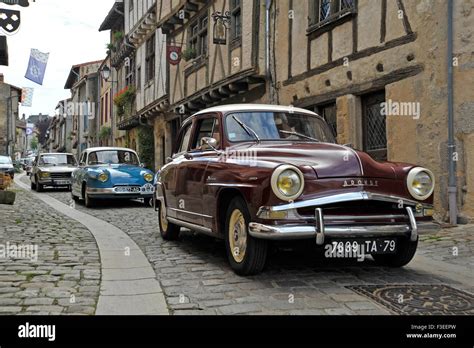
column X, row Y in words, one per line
column 29, row 165
column 6, row 166
column 111, row 173
column 52, row 169
column 252, row 174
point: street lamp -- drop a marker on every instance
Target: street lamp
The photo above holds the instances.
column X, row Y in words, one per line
column 105, row 73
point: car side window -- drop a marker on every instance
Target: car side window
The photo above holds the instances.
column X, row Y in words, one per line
column 183, row 147
column 207, row 128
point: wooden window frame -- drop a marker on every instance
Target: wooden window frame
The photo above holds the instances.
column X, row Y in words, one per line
column 200, row 36
column 150, row 59
column 336, row 12
column 236, row 18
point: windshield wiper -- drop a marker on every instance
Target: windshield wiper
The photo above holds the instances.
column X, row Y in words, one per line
column 299, row 135
column 246, row 128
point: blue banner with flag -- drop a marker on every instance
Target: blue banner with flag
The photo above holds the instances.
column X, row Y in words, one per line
column 37, row 66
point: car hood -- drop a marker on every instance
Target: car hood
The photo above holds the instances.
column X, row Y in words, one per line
column 327, row 160
column 122, row 170
column 57, row 169
column 6, row 166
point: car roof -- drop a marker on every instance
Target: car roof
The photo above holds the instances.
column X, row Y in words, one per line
column 55, row 153
column 93, row 149
column 255, row 107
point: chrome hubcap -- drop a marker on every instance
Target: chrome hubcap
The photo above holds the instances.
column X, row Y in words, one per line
column 237, row 236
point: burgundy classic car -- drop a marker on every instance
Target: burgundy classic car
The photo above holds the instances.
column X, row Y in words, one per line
column 252, row 174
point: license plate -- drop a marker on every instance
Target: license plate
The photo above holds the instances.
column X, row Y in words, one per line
column 376, row 246
column 127, row 189
column 147, row 189
column 62, row 182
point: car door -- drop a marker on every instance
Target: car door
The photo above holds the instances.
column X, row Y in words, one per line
column 78, row 175
column 195, row 170
column 173, row 175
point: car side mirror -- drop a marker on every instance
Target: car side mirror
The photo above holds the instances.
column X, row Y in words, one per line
column 142, row 165
column 208, row 143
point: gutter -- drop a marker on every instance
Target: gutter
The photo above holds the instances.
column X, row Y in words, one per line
column 452, row 189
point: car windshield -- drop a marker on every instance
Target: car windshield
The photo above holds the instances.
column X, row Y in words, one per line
column 5, row 160
column 250, row 126
column 113, row 157
column 57, row 160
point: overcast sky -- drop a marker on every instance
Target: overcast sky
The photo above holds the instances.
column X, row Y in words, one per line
column 69, row 31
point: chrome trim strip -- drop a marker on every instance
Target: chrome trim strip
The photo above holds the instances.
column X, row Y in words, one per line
column 414, row 227
column 190, row 212
column 358, row 158
column 364, row 217
column 230, row 185
column 346, row 197
column 191, row 226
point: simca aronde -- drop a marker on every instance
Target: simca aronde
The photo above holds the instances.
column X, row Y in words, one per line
column 52, row 169
column 251, row 174
column 111, row 173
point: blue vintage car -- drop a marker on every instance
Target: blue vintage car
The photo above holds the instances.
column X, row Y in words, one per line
column 111, row 173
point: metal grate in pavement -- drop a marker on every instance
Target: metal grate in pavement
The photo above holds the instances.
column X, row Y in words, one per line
column 413, row 299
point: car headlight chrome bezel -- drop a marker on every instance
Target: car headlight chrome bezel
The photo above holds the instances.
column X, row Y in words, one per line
column 148, row 177
column 412, row 176
column 103, row 177
column 276, row 178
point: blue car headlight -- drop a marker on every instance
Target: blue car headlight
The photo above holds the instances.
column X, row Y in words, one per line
column 148, row 177
column 103, row 177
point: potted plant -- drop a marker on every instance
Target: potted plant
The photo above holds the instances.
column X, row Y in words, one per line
column 189, row 54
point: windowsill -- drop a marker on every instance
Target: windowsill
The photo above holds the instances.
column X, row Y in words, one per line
column 195, row 64
column 149, row 83
column 236, row 42
column 331, row 22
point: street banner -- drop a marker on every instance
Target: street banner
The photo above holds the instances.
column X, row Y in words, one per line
column 27, row 96
column 22, row 3
column 30, row 127
column 37, row 66
column 9, row 21
column 174, row 54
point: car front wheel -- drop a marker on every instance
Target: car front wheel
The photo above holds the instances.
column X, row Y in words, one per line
column 406, row 252
column 247, row 255
column 168, row 230
column 33, row 185
column 88, row 201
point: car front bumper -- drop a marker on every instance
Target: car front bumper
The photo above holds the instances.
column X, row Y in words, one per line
column 54, row 182
column 111, row 193
column 321, row 232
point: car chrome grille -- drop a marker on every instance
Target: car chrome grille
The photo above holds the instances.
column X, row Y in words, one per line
column 60, row 175
column 359, row 211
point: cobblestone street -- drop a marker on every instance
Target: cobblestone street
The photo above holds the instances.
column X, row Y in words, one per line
column 63, row 278
column 194, row 273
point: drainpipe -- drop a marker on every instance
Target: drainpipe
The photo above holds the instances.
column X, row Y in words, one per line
column 268, row 74
column 452, row 190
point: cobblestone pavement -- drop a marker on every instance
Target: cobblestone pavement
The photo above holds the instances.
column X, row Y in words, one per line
column 62, row 278
column 196, row 278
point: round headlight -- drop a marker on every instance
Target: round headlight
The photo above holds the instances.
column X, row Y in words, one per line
column 420, row 182
column 103, row 177
column 287, row 182
column 148, row 177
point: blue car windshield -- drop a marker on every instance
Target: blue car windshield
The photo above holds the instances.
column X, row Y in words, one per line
column 113, row 157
